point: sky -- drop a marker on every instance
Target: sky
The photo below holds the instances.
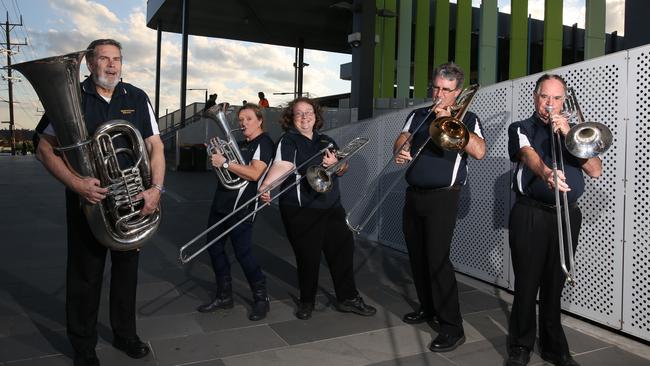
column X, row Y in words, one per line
column 233, row 69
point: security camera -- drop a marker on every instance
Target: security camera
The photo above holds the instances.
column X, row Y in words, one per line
column 354, row 39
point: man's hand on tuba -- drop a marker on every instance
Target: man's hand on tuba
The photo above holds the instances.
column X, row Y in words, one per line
column 90, row 189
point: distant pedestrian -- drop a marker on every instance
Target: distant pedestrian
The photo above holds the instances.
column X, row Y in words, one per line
column 212, row 101
column 263, row 103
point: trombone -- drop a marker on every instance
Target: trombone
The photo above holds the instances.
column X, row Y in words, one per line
column 584, row 140
column 320, row 178
column 448, row 132
column 351, row 148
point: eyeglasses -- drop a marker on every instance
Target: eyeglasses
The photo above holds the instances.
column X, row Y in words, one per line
column 442, row 90
column 303, row 114
column 545, row 97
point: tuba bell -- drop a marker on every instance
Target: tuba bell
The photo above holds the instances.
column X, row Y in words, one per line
column 115, row 222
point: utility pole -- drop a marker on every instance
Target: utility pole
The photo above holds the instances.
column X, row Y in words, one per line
column 8, row 27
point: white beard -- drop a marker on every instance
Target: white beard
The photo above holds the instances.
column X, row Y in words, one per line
column 102, row 81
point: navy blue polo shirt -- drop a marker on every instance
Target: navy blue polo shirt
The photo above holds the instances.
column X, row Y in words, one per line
column 535, row 133
column 259, row 148
column 296, row 149
column 127, row 103
column 435, row 167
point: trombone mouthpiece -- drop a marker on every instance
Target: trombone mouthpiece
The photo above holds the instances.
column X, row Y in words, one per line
column 549, row 108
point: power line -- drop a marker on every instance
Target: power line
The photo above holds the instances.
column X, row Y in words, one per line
column 8, row 49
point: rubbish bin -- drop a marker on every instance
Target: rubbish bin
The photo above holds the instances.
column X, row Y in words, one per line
column 200, row 157
column 186, row 158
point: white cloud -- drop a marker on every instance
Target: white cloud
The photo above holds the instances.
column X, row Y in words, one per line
column 615, row 17
column 233, row 69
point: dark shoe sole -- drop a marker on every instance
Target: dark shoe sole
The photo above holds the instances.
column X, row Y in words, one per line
column 200, row 309
column 420, row 321
column 351, row 309
column 448, row 349
column 133, row 355
column 303, row 316
column 259, row 315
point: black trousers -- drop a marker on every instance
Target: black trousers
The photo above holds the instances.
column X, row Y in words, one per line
column 241, row 238
column 84, row 276
column 428, row 222
column 311, row 231
column 535, row 255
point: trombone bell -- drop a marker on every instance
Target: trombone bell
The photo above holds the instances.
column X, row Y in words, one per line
column 588, row 139
column 449, row 133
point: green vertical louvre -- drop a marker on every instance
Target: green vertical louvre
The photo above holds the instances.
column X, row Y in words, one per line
column 441, row 33
column 552, row 34
column 404, row 48
column 464, row 36
column 385, row 52
column 421, row 61
column 595, row 29
column 518, row 40
column 487, row 49
column 379, row 28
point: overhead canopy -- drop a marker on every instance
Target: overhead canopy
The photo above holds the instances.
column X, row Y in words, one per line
column 321, row 24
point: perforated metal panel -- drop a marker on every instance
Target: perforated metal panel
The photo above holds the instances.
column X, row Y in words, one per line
column 599, row 86
column 613, row 274
column 482, row 225
column 386, row 225
column 636, row 290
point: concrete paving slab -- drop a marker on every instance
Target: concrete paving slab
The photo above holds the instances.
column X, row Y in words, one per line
column 215, row 345
column 32, row 288
column 332, row 324
column 422, row 359
column 610, row 356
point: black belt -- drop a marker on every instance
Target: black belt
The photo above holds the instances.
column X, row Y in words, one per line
column 426, row 190
column 539, row 204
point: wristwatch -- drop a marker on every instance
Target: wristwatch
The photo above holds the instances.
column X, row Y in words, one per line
column 225, row 164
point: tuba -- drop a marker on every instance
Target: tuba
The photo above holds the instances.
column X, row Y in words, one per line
column 227, row 147
column 115, row 221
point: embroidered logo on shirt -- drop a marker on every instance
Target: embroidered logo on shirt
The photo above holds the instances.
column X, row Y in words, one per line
column 127, row 111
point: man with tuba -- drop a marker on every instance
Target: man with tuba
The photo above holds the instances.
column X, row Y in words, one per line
column 534, row 243
column 104, row 98
column 429, row 216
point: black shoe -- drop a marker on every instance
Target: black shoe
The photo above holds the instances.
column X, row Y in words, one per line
column 261, row 303
column 446, row 342
column 357, row 306
column 519, row 356
column 223, row 299
column 564, row 360
column 216, row 304
column 86, row 359
column 133, row 347
column 417, row 317
column 304, row 310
